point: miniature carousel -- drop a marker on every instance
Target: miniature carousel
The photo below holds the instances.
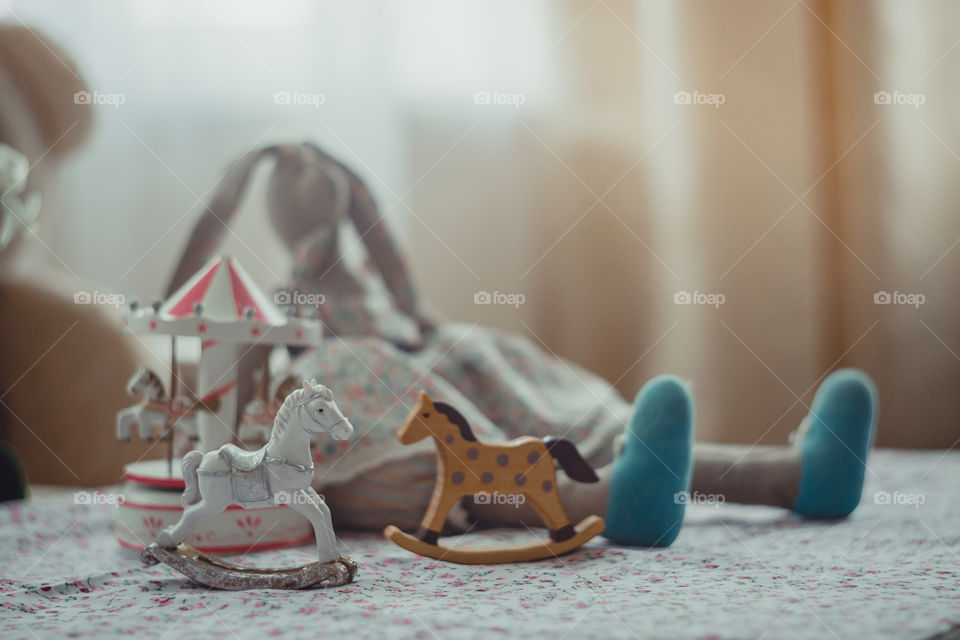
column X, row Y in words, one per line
column 222, row 307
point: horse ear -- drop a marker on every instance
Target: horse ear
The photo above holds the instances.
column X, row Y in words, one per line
column 425, row 399
column 306, row 386
column 326, row 393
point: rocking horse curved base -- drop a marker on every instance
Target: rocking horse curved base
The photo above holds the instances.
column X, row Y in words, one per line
column 587, row 529
column 220, row 574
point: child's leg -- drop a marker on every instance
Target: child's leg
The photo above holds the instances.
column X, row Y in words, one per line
column 747, row 475
column 821, row 476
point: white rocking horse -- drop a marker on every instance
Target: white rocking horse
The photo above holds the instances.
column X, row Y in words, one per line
column 278, row 473
column 155, row 409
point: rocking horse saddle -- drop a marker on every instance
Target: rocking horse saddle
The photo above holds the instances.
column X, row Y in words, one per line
column 241, row 459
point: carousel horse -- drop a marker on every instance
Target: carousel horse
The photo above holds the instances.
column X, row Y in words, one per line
column 157, row 408
column 278, row 473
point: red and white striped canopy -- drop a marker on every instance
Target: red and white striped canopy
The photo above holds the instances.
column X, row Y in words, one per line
column 226, row 291
column 227, row 295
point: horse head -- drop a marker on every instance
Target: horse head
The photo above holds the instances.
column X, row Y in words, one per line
column 436, row 419
column 143, row 381
column 318, row 412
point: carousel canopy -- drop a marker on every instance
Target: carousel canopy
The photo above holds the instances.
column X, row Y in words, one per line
column 221, row 302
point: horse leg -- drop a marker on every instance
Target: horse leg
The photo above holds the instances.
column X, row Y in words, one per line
column 145, row 423
column 124, row 420
column 172, row 536
column 309, row 503
column 436, row 515
column 551, row 512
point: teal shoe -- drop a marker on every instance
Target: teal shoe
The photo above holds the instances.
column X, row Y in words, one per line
column 838, row 435
column 652, row 474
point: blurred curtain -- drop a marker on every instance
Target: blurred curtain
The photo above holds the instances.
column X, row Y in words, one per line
column 603, row 159
column 800, row 198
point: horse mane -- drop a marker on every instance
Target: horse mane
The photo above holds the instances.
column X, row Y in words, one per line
column 455, row 417
column 283, row 414
column 154, row 379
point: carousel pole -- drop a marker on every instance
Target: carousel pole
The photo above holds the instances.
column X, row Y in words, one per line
column 217, row 388
column 174, row 379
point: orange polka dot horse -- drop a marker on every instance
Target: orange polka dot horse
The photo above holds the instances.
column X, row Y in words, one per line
column 466, row 467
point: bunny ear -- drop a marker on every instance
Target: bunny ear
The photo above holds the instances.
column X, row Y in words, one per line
column 217, row 216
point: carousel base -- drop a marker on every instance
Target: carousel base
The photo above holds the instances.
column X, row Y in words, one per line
column 151, row 502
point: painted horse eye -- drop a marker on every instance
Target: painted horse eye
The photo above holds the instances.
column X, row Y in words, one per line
column 426, row 414
column 320, row 410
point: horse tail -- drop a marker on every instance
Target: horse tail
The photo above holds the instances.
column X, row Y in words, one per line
column 564, row 452
column 191, row 495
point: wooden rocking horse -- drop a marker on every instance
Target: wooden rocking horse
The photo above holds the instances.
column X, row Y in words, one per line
column 466, row 467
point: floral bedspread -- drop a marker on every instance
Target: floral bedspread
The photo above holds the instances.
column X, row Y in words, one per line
column 891, row 570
